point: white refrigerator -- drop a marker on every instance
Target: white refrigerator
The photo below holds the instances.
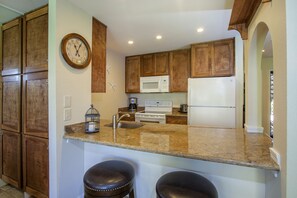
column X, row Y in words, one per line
column 211, row 102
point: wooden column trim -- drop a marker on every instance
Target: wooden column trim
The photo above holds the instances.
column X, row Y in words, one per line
column 243, row 12
column 98, row 57
column 241, row 28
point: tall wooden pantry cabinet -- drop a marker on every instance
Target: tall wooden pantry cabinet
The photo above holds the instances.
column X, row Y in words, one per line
column 24, row 116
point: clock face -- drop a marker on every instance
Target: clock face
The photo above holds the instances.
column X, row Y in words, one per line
column 76, row 51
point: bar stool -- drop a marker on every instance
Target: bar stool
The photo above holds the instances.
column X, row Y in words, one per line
column 109, row 179
column 184, row 184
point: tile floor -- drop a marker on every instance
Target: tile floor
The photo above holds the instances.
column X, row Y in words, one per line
column 8, row 191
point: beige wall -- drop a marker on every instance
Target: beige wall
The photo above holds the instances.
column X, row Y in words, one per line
column 273, row 14
column 115, row 96
column 267, row 66
column 66, row 164
column 291, row 71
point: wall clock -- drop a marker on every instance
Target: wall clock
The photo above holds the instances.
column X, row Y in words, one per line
column 76, row 50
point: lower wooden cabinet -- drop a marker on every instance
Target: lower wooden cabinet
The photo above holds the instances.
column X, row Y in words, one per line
column 11, row 158
column 177, row 120
column 35, row 166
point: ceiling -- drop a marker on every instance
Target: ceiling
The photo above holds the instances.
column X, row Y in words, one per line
column 142, row 20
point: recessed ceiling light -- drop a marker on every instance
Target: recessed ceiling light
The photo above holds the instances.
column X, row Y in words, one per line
column 130, row 42
column 263, row 50
column 158, row 37
column 200, row 29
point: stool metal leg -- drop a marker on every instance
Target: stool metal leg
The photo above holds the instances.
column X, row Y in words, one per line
column 131, row 194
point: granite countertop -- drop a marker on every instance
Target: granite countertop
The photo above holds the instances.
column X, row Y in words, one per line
column 230, row 146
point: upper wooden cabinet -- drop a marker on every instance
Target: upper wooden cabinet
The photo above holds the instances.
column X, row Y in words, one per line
column 132, row 74
column 213, row 59
column 12, row 47
column 179, row 63
column 147, row 65
column 162, row 63
column 201, row 60
column 35, row 41
column 35, row 104
column 11, row 103
column 154, row 64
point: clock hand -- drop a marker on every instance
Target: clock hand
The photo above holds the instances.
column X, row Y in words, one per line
column 76, row 53
column 78, row 50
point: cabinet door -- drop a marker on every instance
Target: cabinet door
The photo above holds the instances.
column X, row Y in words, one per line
column 35, row 104
column 35, row 41
column 161, row 62
column 11, row 103
column 147, row 66
column 35, row 166
column 201, row 60
column 11, row 158
column 177, row 120
column 223, row 58
column 11, row 45
column 179, row 64
column 132, row 74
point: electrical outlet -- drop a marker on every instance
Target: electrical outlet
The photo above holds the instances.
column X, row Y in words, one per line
column 67, row 101
column 67, row 114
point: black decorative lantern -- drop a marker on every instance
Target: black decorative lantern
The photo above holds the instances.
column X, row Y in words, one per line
column 92, row 120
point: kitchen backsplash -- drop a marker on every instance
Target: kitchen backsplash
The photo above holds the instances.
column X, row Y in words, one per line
column 176, row 98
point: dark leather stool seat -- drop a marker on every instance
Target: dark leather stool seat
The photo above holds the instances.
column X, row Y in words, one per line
column 184, row 184
column 109, row 179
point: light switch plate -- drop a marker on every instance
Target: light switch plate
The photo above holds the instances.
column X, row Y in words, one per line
column 67, row 114
column 67, row 101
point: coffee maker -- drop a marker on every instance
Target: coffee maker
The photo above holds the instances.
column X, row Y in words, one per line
column 132, row 104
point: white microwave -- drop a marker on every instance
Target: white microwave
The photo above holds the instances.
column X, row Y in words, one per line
column 154, row 84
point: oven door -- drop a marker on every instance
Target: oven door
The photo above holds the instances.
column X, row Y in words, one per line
column 150, row 118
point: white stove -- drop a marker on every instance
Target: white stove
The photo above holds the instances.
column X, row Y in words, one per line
column 154, row 111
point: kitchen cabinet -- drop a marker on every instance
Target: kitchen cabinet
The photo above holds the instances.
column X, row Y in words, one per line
column 179, row 63
column 132, row 74
column 35, row 104
column 147, row 66
column 213, row 59
column 12, row 47
column 223, row 58
column 35, row 41
column 162, row 63
column 11, row 103
column 25, row 103
column 35, row 166
column 154, row 64
column 11, row 158
column 176, row 120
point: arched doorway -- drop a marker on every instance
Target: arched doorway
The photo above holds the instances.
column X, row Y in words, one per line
column 267, row 86
column 257, row 86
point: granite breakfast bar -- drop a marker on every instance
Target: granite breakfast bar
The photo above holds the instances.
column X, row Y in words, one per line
column 220, row 154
